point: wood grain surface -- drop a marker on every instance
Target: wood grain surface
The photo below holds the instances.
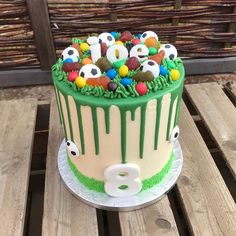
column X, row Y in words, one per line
column 219, row 115
column 17, row 119
column 154, row 220
column 207, row 203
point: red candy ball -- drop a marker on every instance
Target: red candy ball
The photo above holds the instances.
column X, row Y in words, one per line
column 141, row 88
column 135, row 41
column 72, row 76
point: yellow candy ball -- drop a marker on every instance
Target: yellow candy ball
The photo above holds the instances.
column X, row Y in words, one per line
column 119, row 43
column 80, row 82
column 84, row 47
column 123, row 70
column 175, row 75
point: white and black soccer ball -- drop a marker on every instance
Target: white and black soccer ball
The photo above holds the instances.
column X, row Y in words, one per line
column 72, row 149
column 148, row 34
column 90, row 71
column 170, row 51
column 152, row 66
column 174, row 134
column 106, row 38
column 71, row 53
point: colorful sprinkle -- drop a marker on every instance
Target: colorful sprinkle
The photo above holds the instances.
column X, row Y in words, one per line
column 84, row 47
column 86, row 61
column 126, row 81
column 80, row 82
column 163, row 70
column 175, row 75
column 111, row 73
column 72, row 76
column 141, row 88
column 123, row 70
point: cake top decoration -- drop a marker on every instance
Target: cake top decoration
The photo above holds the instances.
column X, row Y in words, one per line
column 118, row 65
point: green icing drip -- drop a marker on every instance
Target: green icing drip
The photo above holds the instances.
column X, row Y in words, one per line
column 98, row 185
column 81, row 130
column 62, row 115
column 173, row 97
column 91, row 183
column 58, row 106
column 148, row 183
column 69, row 118
column 107, row 119
column 131, row 104
column 123, row 135
column 178, row 105
column 157, row 126
column 95, row 129
column 132, row 115
column 142, row 129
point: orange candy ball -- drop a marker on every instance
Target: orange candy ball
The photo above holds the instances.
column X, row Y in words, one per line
column 86, row 61
column 151, row 42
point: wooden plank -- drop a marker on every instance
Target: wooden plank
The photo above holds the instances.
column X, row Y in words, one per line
column 156, row 219
column 219, row 114
column 13, row 78
column 17, row 119
column 63, row 213
column 40, row 21
column 210, row 65
column 209, row 207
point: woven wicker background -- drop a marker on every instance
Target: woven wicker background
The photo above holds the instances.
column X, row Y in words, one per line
column 203, row 28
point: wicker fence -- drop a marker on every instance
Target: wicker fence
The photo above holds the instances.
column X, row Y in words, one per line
column 199, row 29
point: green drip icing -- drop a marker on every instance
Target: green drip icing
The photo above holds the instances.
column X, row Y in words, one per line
column 107, row 119
column 173, row 97
column 148, row 183
column 81, row 130
column 91, row 183
column 123, row 135
column 157, row 127
column 98, row 185
column 62, row 115
column 131, row 104
column 95, row 129
column 69, row 118
column 58, row 106
column 142, row 129
column 178, row 105
column 132, row 114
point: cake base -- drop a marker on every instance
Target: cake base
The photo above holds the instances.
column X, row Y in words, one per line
column 105, row 202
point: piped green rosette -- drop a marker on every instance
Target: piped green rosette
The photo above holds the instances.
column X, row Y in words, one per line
column 159, row 83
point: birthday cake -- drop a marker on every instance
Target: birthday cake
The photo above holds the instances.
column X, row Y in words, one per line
column 118, row 96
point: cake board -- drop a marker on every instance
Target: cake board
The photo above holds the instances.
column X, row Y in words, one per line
column 105, row 202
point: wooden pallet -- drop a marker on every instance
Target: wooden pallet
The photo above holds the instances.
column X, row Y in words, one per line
column 201, row 203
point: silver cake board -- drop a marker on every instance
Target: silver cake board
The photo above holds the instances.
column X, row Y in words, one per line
column 105, row 202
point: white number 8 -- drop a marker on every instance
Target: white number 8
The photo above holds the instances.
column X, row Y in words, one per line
column 122, row 180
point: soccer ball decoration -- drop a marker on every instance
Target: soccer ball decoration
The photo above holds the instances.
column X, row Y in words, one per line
column 148, row 34
column 106, row 38
column 170, row 51
column 90, row 71
column 72, row 149
column 152, row 66
column 174, row 134
column 70, row 53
